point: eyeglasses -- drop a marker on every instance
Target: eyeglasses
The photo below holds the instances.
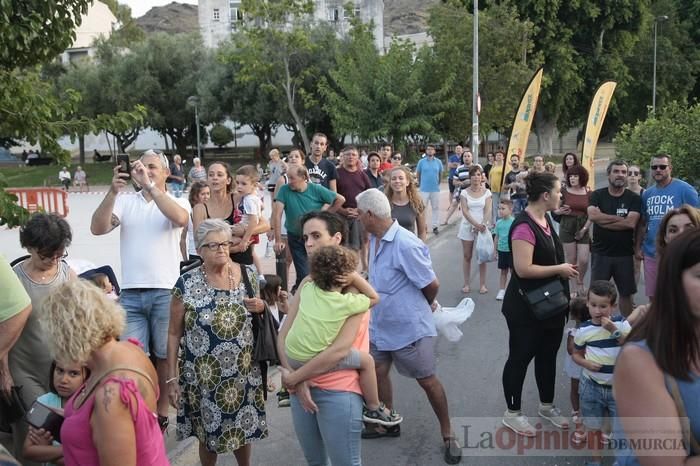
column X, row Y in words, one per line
column 659, row 167
column 633, row 173
column 396, row 158
column 216, row 246
column 54, row 258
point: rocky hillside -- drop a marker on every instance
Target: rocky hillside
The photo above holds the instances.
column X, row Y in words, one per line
column 400, row 17
column 172, row 18
column 406, row 16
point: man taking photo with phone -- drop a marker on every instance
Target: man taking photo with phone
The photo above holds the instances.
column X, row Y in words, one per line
column 151, row 224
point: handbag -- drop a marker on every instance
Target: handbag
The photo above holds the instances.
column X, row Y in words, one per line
column 264, row 329
column 547, row 300
column 12, row 408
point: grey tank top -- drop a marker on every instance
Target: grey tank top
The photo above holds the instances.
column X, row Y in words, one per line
column 405, row 215
column 29, row 358
column 690, row 393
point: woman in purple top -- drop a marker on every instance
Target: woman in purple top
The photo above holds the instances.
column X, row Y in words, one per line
column 538, row 259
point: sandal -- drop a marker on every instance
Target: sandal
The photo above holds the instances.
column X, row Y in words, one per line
column 453, row 451
column 466, row 289
column 483, row 290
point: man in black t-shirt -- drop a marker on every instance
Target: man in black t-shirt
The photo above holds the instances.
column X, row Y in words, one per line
column 615, row 212
column 321, row 171
column 515, row 186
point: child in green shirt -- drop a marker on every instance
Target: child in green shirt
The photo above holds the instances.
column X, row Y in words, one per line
column 505, row 256
column 323, row 309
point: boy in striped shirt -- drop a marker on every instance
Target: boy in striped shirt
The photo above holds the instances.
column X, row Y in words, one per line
column 596, row 346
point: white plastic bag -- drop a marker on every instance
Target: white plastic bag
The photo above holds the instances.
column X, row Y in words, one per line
column 448, row 319
column 484, row 247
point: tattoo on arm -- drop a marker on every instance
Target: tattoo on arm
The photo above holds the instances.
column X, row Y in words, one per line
column 108, row 395
column 115, row 221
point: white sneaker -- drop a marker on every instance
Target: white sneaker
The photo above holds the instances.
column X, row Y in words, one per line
column 518, row 424
column 553, row 415
column 500, row 295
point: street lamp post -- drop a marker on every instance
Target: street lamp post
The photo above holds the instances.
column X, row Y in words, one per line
column 475, row 86
column 193, row 101
column 653, row 91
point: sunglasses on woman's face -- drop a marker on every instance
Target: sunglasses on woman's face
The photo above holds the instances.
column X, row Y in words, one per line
column 396, row 158
column 633, row 173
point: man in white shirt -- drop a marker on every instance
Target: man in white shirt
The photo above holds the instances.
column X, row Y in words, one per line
column 151, row 225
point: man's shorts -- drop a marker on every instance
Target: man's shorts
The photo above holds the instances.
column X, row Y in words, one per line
column 650, row 275
column 596, row 402
column 147, row 318
column 415, row 361
column 505, row 260
column 619, row 268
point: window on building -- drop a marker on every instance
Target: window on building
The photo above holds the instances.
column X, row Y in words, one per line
column 334, row 14
column 356, row 11
column 235, row 13
column 217, row 15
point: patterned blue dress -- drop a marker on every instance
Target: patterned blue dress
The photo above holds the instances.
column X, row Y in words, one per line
column 221, row 400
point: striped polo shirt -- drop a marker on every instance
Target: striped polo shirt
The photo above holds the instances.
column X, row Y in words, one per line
column 600, row 347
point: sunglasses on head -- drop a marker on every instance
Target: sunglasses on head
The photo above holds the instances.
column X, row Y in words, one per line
column 659, row 167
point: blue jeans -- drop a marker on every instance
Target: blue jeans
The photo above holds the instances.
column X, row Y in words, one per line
column 147, row 318
column 176, row 188
column 332, row 435
column 299, row 257
column 519, row 204
column 594, row 399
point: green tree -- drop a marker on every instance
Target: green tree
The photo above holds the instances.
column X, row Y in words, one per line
column 128, row 31
column 506, row 63
column 673, row 131
column 164, row 71
column 221, row 135
column 373, row 96
column 283, row 32
column 582, row 43
column 245, row 102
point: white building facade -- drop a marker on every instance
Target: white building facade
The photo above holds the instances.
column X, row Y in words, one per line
column 99, row 21
column 219, row 18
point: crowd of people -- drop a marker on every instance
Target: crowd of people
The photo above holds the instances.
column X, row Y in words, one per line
column 185, row 325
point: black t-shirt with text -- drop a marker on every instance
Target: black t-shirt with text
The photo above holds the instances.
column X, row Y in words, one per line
column 322, row 173
column 614, row 243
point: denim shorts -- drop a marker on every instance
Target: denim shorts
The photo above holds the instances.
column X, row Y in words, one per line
column 147, row 318
column 595, row 399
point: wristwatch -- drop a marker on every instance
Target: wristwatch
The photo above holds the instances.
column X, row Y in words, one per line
column 617, row 333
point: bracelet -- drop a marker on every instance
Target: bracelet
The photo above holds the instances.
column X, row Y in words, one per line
column 172, row 379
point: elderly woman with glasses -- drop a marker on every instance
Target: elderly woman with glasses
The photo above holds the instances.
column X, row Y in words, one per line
column 46, row 237
column 216, row 386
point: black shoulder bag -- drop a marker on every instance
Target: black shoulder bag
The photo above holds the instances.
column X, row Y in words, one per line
column 264, row 328
column 549, row 299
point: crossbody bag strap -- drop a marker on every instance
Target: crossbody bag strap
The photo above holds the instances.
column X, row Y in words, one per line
column 680, row 407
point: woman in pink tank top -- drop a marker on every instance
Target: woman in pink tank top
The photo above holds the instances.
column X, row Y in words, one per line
column 111, row 420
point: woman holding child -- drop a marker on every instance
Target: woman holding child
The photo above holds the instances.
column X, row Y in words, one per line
column 538, row 260
column 327, row 406
column 217, row 387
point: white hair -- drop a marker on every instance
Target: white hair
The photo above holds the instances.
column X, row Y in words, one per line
column 196, row 160
column 211, row 225
column 151, row 153
column 375, row 201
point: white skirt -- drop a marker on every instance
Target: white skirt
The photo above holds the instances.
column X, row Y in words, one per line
column 466, row 232
column 571, row 369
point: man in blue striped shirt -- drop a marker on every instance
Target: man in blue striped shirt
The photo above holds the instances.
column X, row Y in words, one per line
column 596, row 346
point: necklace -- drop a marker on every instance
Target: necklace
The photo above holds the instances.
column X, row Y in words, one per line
column 211, row 285
column 34, row 272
